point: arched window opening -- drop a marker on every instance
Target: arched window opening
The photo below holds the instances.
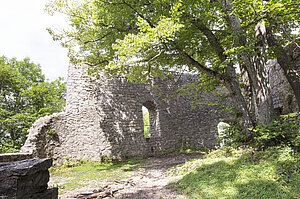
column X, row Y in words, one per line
column 146, row 122
column 149, row 119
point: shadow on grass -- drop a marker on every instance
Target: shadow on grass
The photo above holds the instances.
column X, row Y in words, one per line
column 150, row 193
column 91, row 174
column 126, row 166
column 241, row 178
column 109, row 171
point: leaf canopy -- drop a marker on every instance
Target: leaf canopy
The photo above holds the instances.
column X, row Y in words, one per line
column 24, row 97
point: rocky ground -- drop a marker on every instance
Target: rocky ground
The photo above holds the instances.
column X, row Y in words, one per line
column 148, row 181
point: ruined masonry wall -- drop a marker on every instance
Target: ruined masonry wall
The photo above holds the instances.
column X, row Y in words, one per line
column 283, row 96
column 103, row 118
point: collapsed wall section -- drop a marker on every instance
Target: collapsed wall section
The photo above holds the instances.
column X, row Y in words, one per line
column 103, row 118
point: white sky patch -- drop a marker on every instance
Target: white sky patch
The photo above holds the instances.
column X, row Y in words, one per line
column 23, row 34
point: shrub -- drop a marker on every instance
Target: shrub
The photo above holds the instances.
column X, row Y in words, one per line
column 281, row 132
column 284, row 131
column 234, row 136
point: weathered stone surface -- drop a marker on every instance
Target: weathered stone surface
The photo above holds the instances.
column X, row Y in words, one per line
column 40, row 142
column 26, row 179
column 10, row 157
column 103, row 118
column 284, row 100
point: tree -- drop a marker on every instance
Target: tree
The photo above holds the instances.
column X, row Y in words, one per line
column 24, row 97
column 150, row 38
column 252, row 65
column 275, row 20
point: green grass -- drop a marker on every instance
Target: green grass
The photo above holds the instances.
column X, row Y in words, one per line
column 224, row 173
column 79, row 174
column 230, row 173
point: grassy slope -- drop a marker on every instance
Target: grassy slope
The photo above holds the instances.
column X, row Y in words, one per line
column 229, row 173
column 225, row 173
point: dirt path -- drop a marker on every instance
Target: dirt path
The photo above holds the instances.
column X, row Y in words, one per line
column 148, row 181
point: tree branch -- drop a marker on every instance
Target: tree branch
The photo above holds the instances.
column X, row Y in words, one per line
column 139, row 14
column 201, row 67
column 211, row 38
column 95, row 40
column 93, row 65
column 283, row 29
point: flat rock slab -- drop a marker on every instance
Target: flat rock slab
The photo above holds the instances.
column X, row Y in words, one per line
column 26, row 179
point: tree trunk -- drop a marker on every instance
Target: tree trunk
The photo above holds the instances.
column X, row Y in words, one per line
column 286, row 63
column 249, row 95
column 232, row 84
column 231, row 81
column 254, row 67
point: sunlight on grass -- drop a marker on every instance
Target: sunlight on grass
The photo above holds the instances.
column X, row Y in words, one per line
column 240, row 174
column 91, row 174
column 224, row 173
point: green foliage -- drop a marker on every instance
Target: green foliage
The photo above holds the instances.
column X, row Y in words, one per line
column 52, row 132
column 235, row 136
column 24, row 97
column 140, row 35
column 114, row 35
column 231, row 173
column 282, row 132
column 280, row 16
column 285, row 132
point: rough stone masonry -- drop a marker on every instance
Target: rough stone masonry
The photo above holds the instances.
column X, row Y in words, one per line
column 103, row 118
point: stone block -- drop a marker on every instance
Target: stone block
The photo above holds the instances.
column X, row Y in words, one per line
column 26, row 179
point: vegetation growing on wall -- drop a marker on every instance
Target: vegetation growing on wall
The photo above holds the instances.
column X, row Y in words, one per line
column 24, row 97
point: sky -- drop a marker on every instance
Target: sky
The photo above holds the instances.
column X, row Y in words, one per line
column 23, row 34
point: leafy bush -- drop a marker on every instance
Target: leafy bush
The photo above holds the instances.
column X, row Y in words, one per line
column 284, row 131
column 9, row 148
column 281, row 132
column 234, row 136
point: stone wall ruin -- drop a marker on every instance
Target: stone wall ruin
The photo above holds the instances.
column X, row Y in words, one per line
column 103, row 118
